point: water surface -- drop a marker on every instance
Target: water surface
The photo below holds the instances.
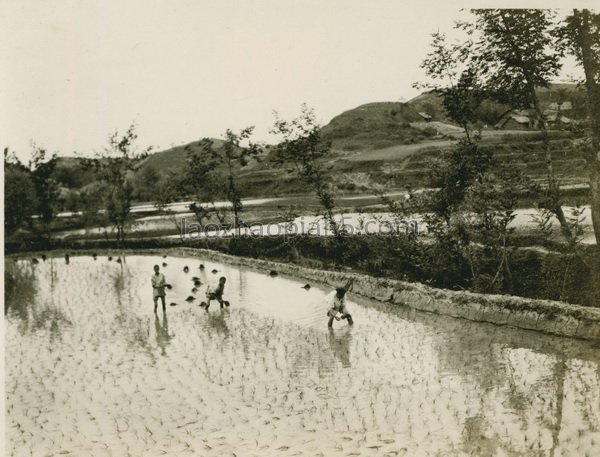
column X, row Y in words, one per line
column 90, row 370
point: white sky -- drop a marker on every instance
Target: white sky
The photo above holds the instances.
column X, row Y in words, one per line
column 74, row 71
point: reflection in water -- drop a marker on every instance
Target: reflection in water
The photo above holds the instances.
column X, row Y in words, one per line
column 162, row 332
column 340, row 344
column 35, row 309
column 19, row 288
column 216, row 321
column 476, row 441
column 559, row 375
column 520, row 380
column 134, row 327
column 268, row 368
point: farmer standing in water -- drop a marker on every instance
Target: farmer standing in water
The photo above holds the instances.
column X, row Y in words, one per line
column 158, row 287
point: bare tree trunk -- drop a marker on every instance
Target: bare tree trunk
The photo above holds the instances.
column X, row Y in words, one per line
column 595, row 194
column 553, row 187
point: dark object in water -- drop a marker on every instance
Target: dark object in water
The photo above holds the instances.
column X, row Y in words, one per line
column 109, row 258
column 194, row 290
column 202, row 304
column 186, row 269
column 67, row 259
column 306, row 286
column 273, row 273
column 164, row 256
column 195, row 278
column 95, row 256
column 190, row 298
column 225, row 302
column 119, row 260
column 214, row 272
column 164, row 264
column 172, row 304
column 197, row 283
column 44, row 257
column 35, row 261
column 201, row 266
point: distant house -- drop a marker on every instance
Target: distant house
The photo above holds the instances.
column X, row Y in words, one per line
column 425, row 116
column 512, row 121
column 564, row 106
column 554, row 115
column 556, row 121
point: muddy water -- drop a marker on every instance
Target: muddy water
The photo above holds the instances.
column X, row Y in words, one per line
column 91, row 371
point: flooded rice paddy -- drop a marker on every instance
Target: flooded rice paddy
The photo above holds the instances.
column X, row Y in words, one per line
column 91, row 371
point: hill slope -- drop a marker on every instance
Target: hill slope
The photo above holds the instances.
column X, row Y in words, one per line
column 385, row 143
column 375, row 126
column 172, row 160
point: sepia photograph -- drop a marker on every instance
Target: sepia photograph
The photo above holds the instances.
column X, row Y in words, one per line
column 300, row 228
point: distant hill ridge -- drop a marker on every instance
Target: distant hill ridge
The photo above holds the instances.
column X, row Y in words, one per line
column 376, row 125
column 375, row 142
column 173, row 159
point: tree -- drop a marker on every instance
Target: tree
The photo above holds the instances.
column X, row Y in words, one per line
column 113, row 166
column 514, row 53
column 303, row 147
column 473, row 203
column 580, row 35
column 20, row 201
column 490, row 112
column 458, row 85
column 233, row 153
column 145, row 182
column 46, row 187
column 453, row 173
column 489, row 208
column 212, row 171
column 201, row 178
column 91, row 205
column 462, row 97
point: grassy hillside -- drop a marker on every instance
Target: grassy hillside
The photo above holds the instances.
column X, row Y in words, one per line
column 375, row 126
column 430, row 103
column 172, row 160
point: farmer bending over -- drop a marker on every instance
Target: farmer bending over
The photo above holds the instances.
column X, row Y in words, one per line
column 337, row 302
column 216, row 293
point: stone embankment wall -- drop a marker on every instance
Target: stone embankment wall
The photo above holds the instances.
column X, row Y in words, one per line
column 542, row 315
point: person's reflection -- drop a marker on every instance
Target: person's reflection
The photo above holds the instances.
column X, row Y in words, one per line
column 474, row 435
column 339, row 340
column 217, row 322
column 162, row 332
column 55, row 333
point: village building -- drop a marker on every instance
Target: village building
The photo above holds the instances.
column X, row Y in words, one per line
column 513, row 121
column 426, row 117
column 564, row 106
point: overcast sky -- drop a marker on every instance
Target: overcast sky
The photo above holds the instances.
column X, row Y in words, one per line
column 73, row 71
